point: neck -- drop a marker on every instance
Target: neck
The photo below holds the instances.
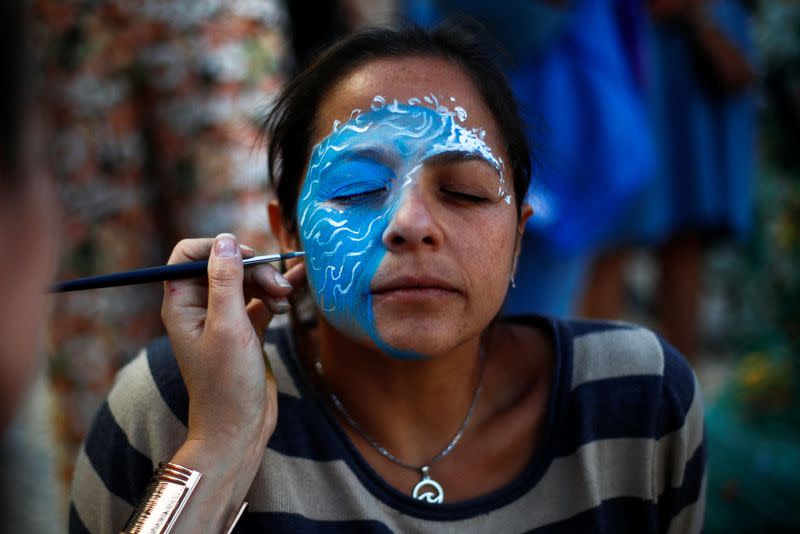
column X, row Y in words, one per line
column 411, row 407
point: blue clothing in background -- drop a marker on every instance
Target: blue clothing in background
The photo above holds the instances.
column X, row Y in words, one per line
column 576, row 73
column 595, row 152
column 706, row 140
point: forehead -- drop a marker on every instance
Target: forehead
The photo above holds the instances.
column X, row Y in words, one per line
column 401, row 79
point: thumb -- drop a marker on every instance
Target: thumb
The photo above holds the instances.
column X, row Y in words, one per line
column 225, row 276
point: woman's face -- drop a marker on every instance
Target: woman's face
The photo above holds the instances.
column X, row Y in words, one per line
column 407, row 213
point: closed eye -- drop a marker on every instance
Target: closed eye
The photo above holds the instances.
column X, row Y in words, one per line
column 360, row 197
column 462, row 196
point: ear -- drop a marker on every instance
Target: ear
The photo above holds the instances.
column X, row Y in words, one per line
column 287, row 239
column 525, row 213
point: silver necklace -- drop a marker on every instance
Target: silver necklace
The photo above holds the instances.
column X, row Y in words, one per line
column 427, row 489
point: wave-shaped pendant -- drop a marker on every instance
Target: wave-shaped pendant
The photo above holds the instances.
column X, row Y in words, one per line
column 428, row 489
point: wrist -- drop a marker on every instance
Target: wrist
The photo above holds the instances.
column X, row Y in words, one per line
column 175, row 501
column 237, row 413
column 231, row 466
column 219, row 423
column 228, row 474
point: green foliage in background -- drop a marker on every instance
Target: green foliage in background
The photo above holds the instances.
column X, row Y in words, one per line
column 753, row 429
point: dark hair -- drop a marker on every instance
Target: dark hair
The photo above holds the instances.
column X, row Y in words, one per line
column 289, row 125
column 13, row 88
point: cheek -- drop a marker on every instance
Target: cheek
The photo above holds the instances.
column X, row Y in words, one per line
column 342, row 256
column 485, row 247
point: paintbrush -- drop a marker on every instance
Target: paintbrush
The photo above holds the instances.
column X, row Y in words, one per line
column 178, row 271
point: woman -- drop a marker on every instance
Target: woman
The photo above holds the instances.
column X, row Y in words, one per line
column 399, row 164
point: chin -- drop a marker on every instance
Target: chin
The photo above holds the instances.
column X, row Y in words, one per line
column 421, row 338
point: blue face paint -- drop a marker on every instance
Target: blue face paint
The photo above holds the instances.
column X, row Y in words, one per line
column 355, row 183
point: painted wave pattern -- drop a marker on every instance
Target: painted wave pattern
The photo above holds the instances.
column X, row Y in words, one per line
column 344, row 246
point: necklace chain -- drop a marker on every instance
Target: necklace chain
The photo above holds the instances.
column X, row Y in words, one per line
column 381, row 449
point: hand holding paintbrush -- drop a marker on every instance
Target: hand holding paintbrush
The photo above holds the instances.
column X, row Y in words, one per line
column 216, row 336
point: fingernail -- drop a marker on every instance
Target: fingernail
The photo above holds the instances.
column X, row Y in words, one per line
column 225, row 246
column 282, row 306
column 245, row 248
column 281, row 281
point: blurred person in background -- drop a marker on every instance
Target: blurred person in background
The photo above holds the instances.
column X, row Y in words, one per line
column 156, row 108
column 28, row 231
column 576, row 68
column 700, row 81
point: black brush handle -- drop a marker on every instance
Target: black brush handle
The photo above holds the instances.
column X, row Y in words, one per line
column 191, row 269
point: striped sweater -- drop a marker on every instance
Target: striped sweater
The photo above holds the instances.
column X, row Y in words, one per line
column 622, row 451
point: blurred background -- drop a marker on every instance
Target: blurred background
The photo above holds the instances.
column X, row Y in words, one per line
column 666, row 186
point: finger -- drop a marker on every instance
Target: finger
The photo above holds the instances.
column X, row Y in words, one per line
column 185, row 301
column 185, row 295
column 247, row 251
column 225, row 278
column 259, row 317
column 278, row 306
column 268, row 279
column 296, row 275
column 268, row 286
column 200, row 249
column 191, row 250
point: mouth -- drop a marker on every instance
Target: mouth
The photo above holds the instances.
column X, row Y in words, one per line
column 414, row 287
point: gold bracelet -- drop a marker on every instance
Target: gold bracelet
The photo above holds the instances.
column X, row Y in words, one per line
column 163, row 500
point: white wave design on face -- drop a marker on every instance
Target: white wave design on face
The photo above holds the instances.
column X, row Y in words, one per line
column 333, row 276
column 334, row 226
column 333, row 251
column 338, row 228
column 338, row 290
column 343, row 241
column 326, row 220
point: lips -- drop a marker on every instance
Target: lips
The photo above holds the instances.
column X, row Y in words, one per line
column 415, row 284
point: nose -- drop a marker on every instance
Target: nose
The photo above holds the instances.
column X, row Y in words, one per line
column 413, row 224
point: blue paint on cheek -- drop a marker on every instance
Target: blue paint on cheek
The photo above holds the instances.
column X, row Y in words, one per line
column 343, row 243
column 343, row 251
column 348, row 200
